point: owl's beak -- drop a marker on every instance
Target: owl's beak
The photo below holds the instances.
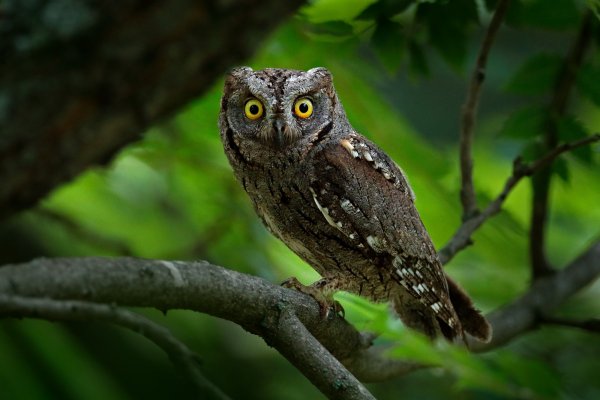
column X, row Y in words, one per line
column 278, row 129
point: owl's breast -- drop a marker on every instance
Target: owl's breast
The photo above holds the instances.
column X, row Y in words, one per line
column 287, row 208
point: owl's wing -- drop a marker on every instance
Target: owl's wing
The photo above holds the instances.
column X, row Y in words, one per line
column 362, row 193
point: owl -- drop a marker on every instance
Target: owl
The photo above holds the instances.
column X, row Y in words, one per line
column 337, row 200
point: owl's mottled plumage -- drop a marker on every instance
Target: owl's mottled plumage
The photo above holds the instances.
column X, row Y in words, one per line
column 337, row 200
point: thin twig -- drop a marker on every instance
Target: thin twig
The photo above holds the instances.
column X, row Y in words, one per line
column 73, row 310
column 469, row 110
column 541, row 181
column 462, row 237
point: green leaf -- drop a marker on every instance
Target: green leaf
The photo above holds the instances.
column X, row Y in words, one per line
column 594, row 5
column 335, row 28
column 418, row 61
column 389, row 43
column 570, row 129
column 384, row 9
column 416, row 347
column 524, row 124
column 555, row 14
column 448, row 24
column 534, row 375
column 532, row 151
column 588, row 83
column 560, row 168
column 491, row 4
column 536, row 76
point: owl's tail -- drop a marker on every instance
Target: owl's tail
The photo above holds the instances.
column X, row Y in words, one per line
column 470, row 317
column 414, row 314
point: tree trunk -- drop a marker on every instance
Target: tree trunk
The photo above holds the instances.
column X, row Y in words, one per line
column 81, row 79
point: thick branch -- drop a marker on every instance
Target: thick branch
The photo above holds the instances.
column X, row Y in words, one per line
column 310, row 357
column 70, row 310
column 543, row 297
column 254, row 303
column 78, row 83
column 469, row 110
column 462, row 237
column 541, row 181
column 200, row 286
column 589, row 325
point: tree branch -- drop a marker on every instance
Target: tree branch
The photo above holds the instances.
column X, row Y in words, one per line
column 462, row 237
column 543, row 297
column 246, row 300
column 72, row 310
column 301, row 348
column 590, row 325
column 469, row 110
column 541, row 181
column 261, row 307
column 100, row 74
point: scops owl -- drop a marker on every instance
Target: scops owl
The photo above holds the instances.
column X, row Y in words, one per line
column 336, row 199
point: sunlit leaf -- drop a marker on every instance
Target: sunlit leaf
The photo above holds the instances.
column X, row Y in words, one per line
column 384, row 9
column 415, row 347
column 334, row 28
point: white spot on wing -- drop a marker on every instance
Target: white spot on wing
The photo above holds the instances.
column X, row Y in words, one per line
column 374, row 243
column 407, row 271
column 346, row 205
column 437, row 307
column 323, row 210
column 348, row 146
column 367, row 156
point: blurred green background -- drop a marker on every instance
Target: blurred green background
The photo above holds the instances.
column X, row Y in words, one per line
column 401, row 71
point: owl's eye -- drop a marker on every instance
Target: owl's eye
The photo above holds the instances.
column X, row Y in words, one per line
column 253, row 109
column 303, row 107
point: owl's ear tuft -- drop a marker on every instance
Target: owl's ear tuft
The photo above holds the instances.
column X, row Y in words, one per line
column 322, row 75
column 320, row 72
column 235, row 75
column 240, row 71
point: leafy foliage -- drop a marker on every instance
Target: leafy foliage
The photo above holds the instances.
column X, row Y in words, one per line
column 172, row 195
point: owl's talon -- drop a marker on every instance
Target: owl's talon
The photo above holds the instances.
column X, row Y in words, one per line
column 326, row 302
column 339, row 310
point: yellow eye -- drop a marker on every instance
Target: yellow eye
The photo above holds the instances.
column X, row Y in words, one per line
column 253, row 109
column 303, row 107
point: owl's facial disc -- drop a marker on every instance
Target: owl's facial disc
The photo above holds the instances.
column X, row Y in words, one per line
column 278, row 109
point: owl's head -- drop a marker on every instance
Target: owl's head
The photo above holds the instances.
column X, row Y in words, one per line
column 278, row 109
